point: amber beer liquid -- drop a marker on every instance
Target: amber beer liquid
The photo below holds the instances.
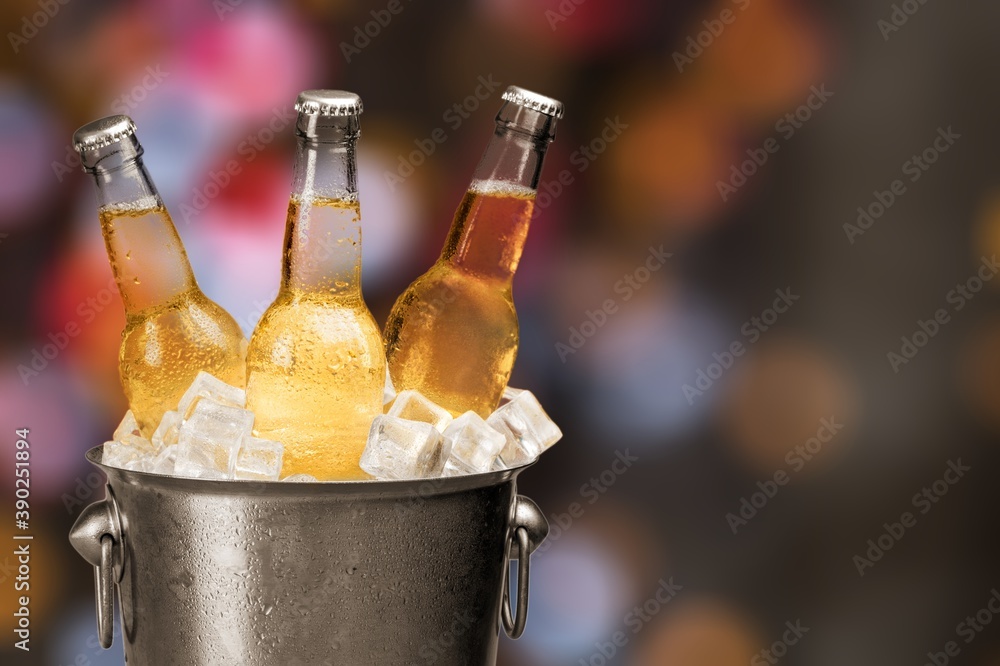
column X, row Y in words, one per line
column 453, row 334
column 172, row 330
column 316, row 365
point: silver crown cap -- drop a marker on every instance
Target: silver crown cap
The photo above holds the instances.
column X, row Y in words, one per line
column 328, row 103
column 534, row 101
column 103, row 132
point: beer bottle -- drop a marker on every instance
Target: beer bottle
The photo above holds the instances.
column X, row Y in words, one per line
column 172, row 330
column 316, row 366
column 453, row 335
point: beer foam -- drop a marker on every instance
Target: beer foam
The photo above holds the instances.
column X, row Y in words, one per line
column 502, row 187
column 137, row 206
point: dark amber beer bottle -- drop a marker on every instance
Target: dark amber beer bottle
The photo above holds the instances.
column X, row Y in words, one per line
column 453, row 334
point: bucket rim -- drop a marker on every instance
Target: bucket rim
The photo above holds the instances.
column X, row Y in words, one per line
column 383, row 487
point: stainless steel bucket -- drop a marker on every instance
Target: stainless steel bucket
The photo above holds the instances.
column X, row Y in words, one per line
column 356, row 573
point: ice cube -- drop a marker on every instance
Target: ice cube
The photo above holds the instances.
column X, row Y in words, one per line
column 141, row 445
column 209, row 439
column 192, row 469
column 128, row 426
column 474, row 443
column 301, row 478
column 389, row 392
column 207, row 386
column 258, row 460
column 166, row 433
column 130, row 455
column 402, row 449
column 509, row 393
column 413, row 406
column 527, row 428
column 164, row 461
column 453, row 467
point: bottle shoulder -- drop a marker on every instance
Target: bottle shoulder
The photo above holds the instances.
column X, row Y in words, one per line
column 318, row 318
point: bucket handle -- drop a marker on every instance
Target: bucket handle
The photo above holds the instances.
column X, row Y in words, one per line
column 99, row 538
column 105, row 600
column 530, row 529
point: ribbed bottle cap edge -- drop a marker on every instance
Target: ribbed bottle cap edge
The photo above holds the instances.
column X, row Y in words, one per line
column 328, row 103
column 103, row 132
column 534, row 101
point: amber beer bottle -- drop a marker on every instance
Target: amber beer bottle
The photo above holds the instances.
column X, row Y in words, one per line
column 316, row 365
column 453, row 335
column 172, row 330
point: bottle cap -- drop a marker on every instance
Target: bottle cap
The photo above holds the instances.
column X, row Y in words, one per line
column 103, row 132
column 328, row 103
column 534, row 101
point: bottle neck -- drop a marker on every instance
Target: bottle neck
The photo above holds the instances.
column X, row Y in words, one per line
column 323, row 229
column 491, row 224
column 147, row 258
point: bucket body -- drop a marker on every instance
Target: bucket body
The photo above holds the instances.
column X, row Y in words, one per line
column 370, row 572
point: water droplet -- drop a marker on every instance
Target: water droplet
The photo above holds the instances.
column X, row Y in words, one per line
column 135, row 280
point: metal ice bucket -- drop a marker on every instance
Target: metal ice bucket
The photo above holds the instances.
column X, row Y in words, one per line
column 356, row 573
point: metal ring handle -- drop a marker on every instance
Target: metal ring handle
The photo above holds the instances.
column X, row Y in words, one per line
column 104, row 577
column 514, row 626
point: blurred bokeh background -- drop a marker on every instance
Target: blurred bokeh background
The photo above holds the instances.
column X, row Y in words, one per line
column 739, row 137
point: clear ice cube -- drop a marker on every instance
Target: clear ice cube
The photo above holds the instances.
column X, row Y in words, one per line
column 509, row 393
column 166, row 433
column 402, row 449
column 301, row 478
column 216, row 390
column 209, row 439
column 413, row 406
column 164, row 461
column 128, row 426
column 453, row 467
column 258, row 460
column 527, row 428
column 389, row 392
column 140, row 444
column 474, row 444
column 133, row 454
